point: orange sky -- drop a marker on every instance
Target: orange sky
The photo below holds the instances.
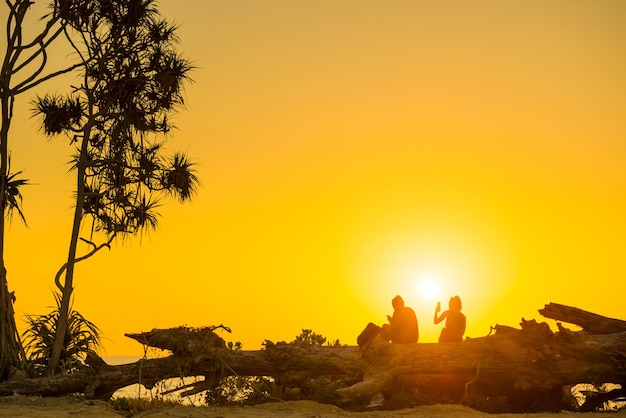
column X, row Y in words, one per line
column 350, row 151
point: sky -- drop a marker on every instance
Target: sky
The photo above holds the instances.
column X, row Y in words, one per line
column 353, row 150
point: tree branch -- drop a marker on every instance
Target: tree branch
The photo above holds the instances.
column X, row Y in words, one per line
column 107, row 244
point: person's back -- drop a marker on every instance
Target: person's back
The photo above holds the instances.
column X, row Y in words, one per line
column 404, row 328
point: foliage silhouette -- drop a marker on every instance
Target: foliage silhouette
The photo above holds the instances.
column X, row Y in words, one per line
column 132, row 81
column 307, row 336
column 81, row 338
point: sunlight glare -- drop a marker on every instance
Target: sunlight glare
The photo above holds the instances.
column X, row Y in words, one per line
column 429, row 288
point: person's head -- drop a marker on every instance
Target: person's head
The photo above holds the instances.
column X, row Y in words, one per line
column 455, row 303
column 397, row 302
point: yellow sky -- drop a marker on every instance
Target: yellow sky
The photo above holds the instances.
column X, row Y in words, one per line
column 349, row 151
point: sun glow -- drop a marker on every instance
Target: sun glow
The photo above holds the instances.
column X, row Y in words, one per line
column 429, row 288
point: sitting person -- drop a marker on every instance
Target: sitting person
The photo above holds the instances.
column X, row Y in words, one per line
column 455, row 321
column 402, row 327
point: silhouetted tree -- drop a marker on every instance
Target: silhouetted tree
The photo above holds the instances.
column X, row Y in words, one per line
column 23, row 67
column 132, row 81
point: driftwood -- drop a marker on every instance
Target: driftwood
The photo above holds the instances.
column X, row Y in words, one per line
column 589, row 322
column 527, row 367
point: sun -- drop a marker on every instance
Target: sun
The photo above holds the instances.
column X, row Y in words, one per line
column 429, row 288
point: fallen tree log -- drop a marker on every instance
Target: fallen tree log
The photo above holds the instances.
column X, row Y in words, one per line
column 213, row 361
column 589, row 322
column 528, row 366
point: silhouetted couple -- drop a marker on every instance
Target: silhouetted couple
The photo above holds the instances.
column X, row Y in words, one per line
column 403, row 327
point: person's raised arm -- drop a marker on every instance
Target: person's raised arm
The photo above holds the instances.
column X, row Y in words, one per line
column 437, row 319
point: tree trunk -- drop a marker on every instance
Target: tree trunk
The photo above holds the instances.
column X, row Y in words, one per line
column 11, row 351
column 529, row 367
column 68, row 284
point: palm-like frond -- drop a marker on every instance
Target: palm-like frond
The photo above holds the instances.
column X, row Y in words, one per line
column 143, row 215
column 60, row 113
column 81, row 338
column 13, row 196
column 180, row 179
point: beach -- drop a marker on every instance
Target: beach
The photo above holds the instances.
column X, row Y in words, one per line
column 66, row 407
